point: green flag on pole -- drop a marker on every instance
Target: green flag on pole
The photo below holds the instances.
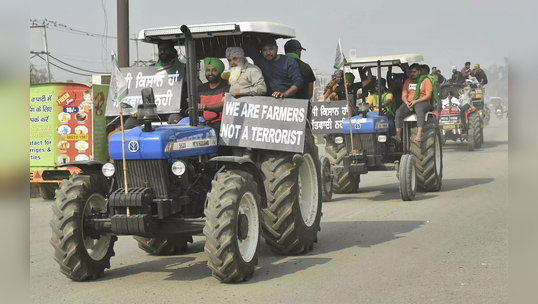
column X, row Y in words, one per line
column 118, row 84
column 339, row 58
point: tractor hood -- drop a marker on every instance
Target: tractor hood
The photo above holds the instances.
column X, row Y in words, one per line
column 171, row 141
column 373, row 123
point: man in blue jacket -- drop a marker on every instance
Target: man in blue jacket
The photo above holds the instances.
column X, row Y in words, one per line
column 282, row 73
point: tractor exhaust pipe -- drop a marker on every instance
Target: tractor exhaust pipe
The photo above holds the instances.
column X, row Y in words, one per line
column 190, row 50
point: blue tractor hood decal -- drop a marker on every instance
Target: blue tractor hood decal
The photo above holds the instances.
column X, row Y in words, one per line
column 174, row 141
column 367, row 125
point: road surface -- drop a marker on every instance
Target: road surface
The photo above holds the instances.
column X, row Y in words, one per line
column 445, row 247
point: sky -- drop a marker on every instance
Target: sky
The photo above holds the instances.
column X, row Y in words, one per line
column 446, row 32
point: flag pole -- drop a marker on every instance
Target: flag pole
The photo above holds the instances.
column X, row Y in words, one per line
column 120, row 105
column 348, row 108
column 123, row 150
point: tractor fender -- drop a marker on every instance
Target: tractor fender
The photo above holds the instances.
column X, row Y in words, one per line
column 246, row 164
column 90, row 166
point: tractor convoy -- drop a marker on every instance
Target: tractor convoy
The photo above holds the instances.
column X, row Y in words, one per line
column 163, row 183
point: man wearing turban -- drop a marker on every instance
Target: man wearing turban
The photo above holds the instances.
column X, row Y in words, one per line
column 479, row 74
column 352, row 87
column 212, row 92
column 245, row 78
column 337, row 79
column 457, row 76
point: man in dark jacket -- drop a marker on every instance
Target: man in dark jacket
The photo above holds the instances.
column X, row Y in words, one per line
column 282, row 73
column 480, row 75
column 293, row 49
column 457, row 76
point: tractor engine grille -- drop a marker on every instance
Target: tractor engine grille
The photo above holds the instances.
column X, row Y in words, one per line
column 151, row 173
column 454, row 118
column 362, row 142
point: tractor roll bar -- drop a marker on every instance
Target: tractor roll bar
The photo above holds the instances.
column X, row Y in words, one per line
column 190, row 50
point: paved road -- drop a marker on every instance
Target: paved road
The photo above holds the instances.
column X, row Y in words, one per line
column 445, row 247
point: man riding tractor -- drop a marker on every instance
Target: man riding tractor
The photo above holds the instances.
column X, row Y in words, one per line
column 365, row 143
column 458, row 118
column 166, row 183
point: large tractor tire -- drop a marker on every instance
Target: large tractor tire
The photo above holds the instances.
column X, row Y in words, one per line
column 470, row 139
column 475, row 126
column 429, row 158
column 294, row 199
column 343, row 182
column 326, row 179
column 407, row 177
column 46, row 190
column 164, row 245
column 233, row 226
column 80, row 257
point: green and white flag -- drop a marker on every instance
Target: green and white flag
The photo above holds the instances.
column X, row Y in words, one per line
column 118, row 84
column 340, row 58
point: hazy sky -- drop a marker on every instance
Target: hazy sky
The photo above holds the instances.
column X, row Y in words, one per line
column 445, row 32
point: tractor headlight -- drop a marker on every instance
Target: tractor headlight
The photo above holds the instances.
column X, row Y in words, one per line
column 108, row 170
column 382, row 138
column 382, row 125
column 179, row 168
column 339, row 140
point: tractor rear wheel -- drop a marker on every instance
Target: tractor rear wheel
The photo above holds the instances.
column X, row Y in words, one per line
column 326, row 179
column 428, row 155
column 294, row 199
column 475, row 126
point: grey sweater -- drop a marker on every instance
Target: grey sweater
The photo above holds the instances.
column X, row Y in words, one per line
column 250, row 82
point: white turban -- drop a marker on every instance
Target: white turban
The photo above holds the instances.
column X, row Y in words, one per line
column 454, row 67
column 235, row 52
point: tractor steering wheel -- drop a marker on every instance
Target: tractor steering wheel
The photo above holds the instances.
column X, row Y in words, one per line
column 208, row 121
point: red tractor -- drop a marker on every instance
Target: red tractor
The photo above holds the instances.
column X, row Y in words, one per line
column 454, row 124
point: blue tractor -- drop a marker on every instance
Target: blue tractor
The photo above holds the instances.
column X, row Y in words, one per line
column 178, row 185
column 365, row 144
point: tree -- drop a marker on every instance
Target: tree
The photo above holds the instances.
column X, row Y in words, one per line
column 38, row 75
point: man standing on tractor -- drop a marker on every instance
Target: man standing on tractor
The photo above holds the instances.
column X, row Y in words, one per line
column 457, row 76
column 212, row 92
column 466, row 70
column 293, row 49
column 480, row 75
column 386, row 104
column 282, row 73
column 417, row 96
column 245, row 78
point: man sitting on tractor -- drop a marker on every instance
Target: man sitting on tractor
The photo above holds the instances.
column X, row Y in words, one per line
column 352, row 87
column 465, row 102
column 386, row 103
column 338, row 79
column 282, row 73
column 212, row 92
column 418, row 95
column 457, row 76
column 480, row 75
column 245, row 78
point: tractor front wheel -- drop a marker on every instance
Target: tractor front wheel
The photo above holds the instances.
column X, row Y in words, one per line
column 80, row 256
